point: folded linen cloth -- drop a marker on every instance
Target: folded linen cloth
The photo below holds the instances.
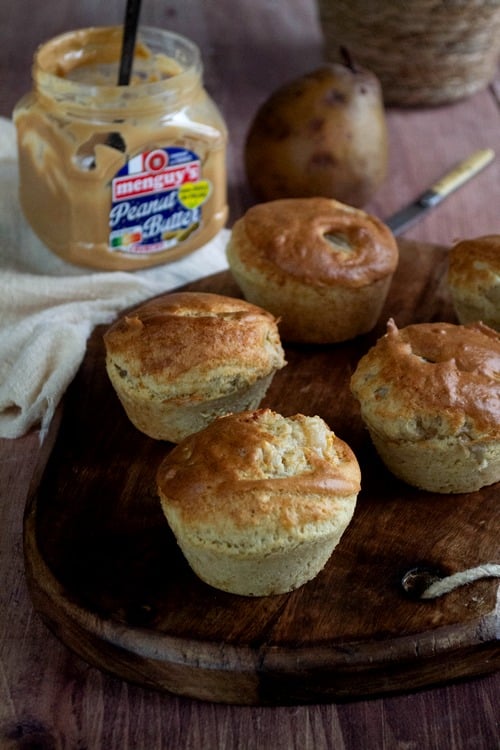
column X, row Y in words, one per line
column 48, row 308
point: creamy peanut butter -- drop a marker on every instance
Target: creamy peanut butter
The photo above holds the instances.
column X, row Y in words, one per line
column 121, row 177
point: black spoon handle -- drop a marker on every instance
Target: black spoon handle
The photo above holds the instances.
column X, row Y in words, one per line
column 129, row 35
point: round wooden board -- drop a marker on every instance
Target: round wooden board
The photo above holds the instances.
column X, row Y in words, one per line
column 106, row 574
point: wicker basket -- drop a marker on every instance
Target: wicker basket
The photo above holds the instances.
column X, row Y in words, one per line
column 423, row 51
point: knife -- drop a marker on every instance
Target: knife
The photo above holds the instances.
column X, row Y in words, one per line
column 429, row 199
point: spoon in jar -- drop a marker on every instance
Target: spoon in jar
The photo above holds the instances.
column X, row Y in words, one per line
column 86, row 154
column 129, row 34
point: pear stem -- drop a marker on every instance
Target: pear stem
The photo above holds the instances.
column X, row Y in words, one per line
column 347, row 59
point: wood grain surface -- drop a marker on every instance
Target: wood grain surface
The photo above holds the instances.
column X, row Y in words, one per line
column 107, row 576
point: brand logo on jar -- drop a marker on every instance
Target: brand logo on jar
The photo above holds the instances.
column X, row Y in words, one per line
column 157, row 200
column 156, row 176
column 156, row 160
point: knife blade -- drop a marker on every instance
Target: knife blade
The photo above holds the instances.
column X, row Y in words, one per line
column 434, row 195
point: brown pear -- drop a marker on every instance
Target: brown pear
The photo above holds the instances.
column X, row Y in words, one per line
column 323, row 134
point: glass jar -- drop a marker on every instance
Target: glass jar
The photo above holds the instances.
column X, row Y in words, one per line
column 121, row 177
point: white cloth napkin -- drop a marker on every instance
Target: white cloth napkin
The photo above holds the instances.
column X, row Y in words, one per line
column 48, row 308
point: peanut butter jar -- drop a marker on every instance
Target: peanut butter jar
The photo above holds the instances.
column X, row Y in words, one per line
column 121, row 177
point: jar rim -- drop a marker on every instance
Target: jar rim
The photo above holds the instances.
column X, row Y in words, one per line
column 65, row 52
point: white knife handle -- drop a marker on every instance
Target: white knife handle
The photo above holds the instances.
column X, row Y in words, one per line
column 463, row 172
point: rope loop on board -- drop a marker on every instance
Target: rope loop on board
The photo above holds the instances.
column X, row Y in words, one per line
column 423, row 583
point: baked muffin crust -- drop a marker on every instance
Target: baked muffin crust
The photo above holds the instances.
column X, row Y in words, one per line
column 316, row 240
column 194, row 343
column 474, row 280
column 446, row 374
column 322, row 268
column 180, row 360
column 259, row 480
column 429, row 395
column 475, row 262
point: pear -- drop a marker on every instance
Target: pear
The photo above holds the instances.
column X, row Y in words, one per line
column 323, row 134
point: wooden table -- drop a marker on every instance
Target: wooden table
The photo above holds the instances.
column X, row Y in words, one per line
column 48, row 696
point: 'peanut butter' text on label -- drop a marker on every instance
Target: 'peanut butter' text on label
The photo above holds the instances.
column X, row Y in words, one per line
column 156, row 201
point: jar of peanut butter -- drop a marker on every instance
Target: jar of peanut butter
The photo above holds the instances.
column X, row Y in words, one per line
column 121, row 177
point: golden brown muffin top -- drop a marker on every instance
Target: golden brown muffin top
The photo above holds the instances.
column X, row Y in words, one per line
column 475, row 262
column 189, row 336
column 258, row 469
column 432, row 380
column 316, row 240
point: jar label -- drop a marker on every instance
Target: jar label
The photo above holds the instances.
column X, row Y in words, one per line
column 156, row 201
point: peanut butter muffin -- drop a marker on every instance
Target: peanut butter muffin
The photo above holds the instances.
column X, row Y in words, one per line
column 474, row 280
column 322, row 267
column 258, row 501
column 430, row 397
column 181, row 359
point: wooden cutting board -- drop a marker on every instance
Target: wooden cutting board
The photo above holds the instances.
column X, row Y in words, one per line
column 106, row 575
